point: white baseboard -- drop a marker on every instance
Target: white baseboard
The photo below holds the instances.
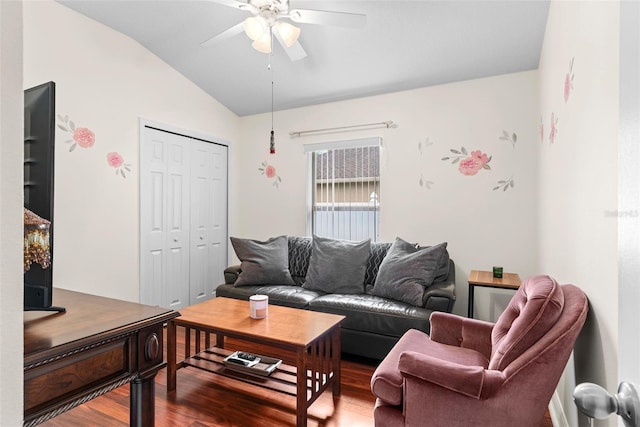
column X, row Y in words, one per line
column 558, row 418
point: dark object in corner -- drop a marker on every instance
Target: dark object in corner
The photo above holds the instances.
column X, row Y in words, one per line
column 39, row 146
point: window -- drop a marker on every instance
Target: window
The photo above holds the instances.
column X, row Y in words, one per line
column 344, row 189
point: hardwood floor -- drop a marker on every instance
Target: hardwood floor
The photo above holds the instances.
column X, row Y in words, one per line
column 206, row 400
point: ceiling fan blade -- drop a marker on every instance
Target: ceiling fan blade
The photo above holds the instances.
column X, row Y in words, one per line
column 236, row 4
column 225, row 35
column 295, row 52
column 323, row 17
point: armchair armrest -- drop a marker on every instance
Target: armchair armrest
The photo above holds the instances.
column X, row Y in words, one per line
column 451, row 329
column 472, row 381
column 462, row 379
column 231, row 274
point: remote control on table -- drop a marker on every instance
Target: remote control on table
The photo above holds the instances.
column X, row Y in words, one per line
column 246, row 356
column 238, row 361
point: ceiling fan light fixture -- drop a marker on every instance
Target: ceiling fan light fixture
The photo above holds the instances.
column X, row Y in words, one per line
column 288, row 33
column 263, row 44
column 255, row 27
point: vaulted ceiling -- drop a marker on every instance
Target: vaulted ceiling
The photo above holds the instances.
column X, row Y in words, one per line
column 403, row 45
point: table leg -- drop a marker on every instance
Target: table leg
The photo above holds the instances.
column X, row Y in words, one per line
column 301, row 388
column 219, row 340
column 335, row 360
column 142, row 401
column 470, row 309
column 171, row 356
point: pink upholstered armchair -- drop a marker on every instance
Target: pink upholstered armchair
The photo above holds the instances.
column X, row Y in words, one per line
column 474, row 373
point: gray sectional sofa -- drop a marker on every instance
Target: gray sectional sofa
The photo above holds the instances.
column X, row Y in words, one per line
column 373, row 323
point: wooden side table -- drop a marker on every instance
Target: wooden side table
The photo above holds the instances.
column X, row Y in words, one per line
column 486, row 280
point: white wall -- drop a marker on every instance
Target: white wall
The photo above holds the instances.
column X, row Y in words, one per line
column 105, row 83
column 578, row 177
column 483, row 227
column 11, row 201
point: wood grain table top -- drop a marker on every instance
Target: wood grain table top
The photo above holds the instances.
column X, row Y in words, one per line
column 485, row 278
column 291, row 326
column 87, row 316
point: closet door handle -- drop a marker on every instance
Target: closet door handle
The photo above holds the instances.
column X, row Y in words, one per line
column 201, row 237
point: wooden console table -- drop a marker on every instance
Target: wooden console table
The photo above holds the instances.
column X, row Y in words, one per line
column 98, row 345
column 486, row 279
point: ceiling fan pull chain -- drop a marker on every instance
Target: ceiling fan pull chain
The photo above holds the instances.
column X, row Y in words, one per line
column 272, row 139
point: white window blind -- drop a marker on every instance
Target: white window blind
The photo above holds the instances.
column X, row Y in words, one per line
column 344, row 189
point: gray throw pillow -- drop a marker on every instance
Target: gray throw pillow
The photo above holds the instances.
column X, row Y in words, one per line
column 263, row 263
column 337, row 266
column 407, row 271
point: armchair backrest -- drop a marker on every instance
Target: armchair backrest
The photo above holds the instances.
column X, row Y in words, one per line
column 532, row 312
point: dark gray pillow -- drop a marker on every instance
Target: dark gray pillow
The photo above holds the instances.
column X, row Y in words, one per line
column 337, row 266
column 407, row 271
column 263, row 263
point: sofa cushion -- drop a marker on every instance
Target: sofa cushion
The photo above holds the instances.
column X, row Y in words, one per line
column 337, row 266
column 263, row 263
column 407, row 271
column 376, row 315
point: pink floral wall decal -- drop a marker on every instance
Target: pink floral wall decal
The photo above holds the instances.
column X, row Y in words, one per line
column 469, row 164
column 568, row 82
column 513, row 138
column 82, row 137
column 553, row 130
column 115, row 160
column 505, row 184
column 270, row 172
column 541, row 126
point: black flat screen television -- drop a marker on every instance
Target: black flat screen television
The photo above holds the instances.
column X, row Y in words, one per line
column 39, row 162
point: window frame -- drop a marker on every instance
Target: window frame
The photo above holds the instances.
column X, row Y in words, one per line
column 310, row 148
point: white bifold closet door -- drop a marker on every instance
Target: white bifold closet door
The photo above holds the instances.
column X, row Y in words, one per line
column 183, row 217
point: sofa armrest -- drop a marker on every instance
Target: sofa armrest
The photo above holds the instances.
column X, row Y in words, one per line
column 231, row 274
column 440, row 296
column 451, row 329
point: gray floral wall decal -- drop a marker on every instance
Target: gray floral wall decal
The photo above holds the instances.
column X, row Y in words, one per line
column 423, row 145
column 513, row 138
column 425, row 183
column 505, row 184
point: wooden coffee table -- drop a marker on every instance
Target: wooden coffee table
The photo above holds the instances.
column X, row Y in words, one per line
column 312, row 336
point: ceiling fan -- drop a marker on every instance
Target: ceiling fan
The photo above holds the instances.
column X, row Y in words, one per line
column 269, row 21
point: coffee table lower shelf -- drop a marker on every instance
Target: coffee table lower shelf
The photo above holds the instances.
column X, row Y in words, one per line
column 283, row 379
